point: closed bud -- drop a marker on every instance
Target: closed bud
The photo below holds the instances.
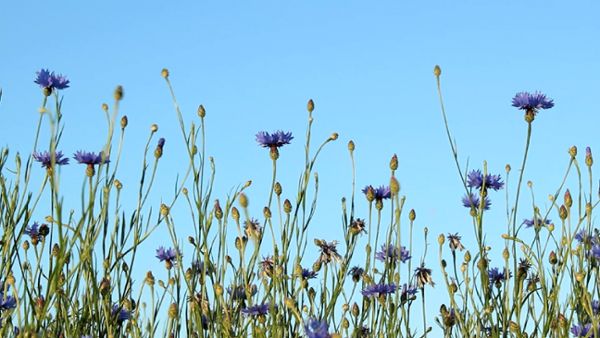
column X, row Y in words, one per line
column 355, row 310
column 345, row 323
column 573, row 151
column 26, row 245
column 394, row 186
column 173, row 311
column 118, row 93
column 218, row 290
column 394, row 162
column 437, row 71
column 191, row 240
column 218, row 210
column 412, row 215
column 277, row 189
column 317, row 266
column 568, row 199
column 149, row 278
column 154, row 128
column 267, row 212
column 243, row 199
column 105, row 107
column 507, row 168
column 351, row 146
column 467, row 256
column 201, row 111
column 164, row 210
column 124, row 121
column 118, row 184
column 505, row 254
column 235, row 214
column 310, row 106
column 441, row 239
column 287, row 206
column 562, row 212
column 553, row 259
column 164, row 73
column 588, row 209
column 334, row 136
column 588, row 157
column 184, row 191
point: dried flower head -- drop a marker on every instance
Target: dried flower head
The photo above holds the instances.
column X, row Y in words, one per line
column 328, row 251
column 423, row 276
column 454, row 242
column 356, row 272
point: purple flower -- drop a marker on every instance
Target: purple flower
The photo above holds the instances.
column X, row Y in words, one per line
column 45, row 158
column 472, row 201
column 168, row 256
column 308, row 274
column 393, row 253
column 381, row 193
column 50, row 80
column 239, row 292
column 316, row 329
column 120, row 313
column 595, row 251
column 379, row 290
column 596, row 307
column 582, row 330
column 407, row 293
column 536, row 221
column 583, row 236
column 534, row 102
column 90, row 158
column 475, row 179
column 497, row 276
column 276, row 140
column 7, row 302
column 256, row 310
column 161, row 142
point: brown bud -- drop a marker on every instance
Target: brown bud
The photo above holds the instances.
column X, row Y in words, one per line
column 437, row 71
column 118, row 93
column 310, row 106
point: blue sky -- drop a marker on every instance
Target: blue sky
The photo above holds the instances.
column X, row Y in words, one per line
column 367, row 65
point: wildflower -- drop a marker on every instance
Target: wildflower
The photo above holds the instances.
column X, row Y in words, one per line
column 253, row 228
column 595, row 251
column 198, row 266
column 532, row 102
column 315, row 328
column 536, row 221
column 159, row 148
column 423, row 276
column 49, row 80
column 379, row 290
column 356, row 272
column 393, row 253
column 276, row 140
column 256, row 310
column 328, row 251
column 475, row 179
column 583, row 237
column 381, row 193
column 596, row 307
column 361, row 332
column 267, row 265
column 239, row 292
column 168, row 256
column 7, row 302
column 472, row 201
column 582, row 330
column 90, row 158
column 308, row 274
column 589, row 160
column 454, row 242
column 33, row 231
column 524, row 266
column 357, row 226
column 45, row 158
column 120, row 313
column 408, row 293
column 496, row 276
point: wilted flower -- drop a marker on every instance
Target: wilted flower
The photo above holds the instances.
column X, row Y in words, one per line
column 533, row 102
column 582, row 330
column 256, row 310
column 536, row 221
column 50, row 80
column 267, row 265
column 45, row 158
column 454, row 242
column 523, row 269
column 120, row 313
column 379, row 290
column 381, row 193
column 275, row 140
column 253, row 228
column 472, row 201
column 169, row 256
column 90, row 158
column 328, row 251
column 476, row 180
column 392, row 253
column 357, row 226
column 356, row 272
column 407, row 293
column 423, row 276
column 315, row 328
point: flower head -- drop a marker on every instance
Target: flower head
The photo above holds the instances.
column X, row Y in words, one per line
column 239, row 292
column 50, row 80
column 379, row 290
column 454, row 242
column 476, row 180
column 583, row 237
column 536, row 221
column 275, row 140
column 308, row 274
column 357, row 226
column 256, row 310
column 408, row 292
column 582, row 330
column 120, row 313
column 7, row 302
column 497, row 276
column 45, row 158
column 90, row 158
column 169, row 256
column 328, row 251
column 533, row 102
column 267, row 265
column 315, row 328
column 253, row 228
column 472, row 201
column 595, row 251
column 392, row 253
column 356, row 272
column 380, row 193
column 423, row 276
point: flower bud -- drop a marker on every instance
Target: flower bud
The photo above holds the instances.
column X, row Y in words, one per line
column 568, row 199
column 173, row 311
column 164, row 73
column 149, row 278
column 507, row 168
column 467, row 256
column 235, row 214
column 573, row 151
column 351, row 146
column 287, row 206
column 412, row 215
column 334, row 136
column 267, row 212
column 437, row 71
column 441, row 239
column 505, row 254
column 154, row 128
column 201, row 111
column 588, row 157
column 243, row 199
column 118, row 184
column 553, row 259
column 562, row 212
column 124, row 121
column 164, row 210
column 310, row 106
column 394, row 162
column 394, row 186
column 105, row 107
column 118, row 93
column 218, row 210
column 277, row 189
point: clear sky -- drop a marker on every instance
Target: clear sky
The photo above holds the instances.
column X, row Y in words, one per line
column 367, row 65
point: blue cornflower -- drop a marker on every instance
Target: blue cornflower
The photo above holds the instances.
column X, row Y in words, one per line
column 50, row 80
column 596, row 307
column 408, row 292
column 531, row 222
column 582, row 330
column 595, row 251
column 308, row 274
column 239, row 292
column 393, row 253
column 45, row 158
column 90, row 158
column 275, row 140
column 316, row 329
column 472, row 201
column 7, row 302
column 475, row 179
column 497, row 276
column 169, row 256
column 256, row 310
column 583, row 236
column 533, row 102
column 379, row 290
column 120, row 313
column 380, row 193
